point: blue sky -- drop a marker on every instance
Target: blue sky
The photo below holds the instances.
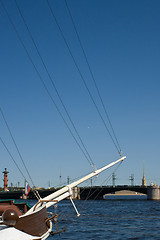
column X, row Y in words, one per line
column 121, row 40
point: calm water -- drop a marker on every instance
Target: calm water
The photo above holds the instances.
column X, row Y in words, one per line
column 120, row 219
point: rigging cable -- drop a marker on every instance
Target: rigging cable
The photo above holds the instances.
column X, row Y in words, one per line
column 16, row 146
column 104, row 182
column 82, row 78
column 12, row 157
column 92, row 75
column 43, row 83
column 53, row 84
column 5, row 146
column 9, row 130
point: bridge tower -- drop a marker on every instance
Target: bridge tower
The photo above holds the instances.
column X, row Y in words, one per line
column 144, row 183
column 113, row 179
column 5, row 179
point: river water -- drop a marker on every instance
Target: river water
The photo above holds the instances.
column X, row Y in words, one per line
column 109, row 219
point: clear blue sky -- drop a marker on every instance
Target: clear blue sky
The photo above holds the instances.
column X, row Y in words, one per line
column 122, row 43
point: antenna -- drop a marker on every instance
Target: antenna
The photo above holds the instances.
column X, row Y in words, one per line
column 49, row 184
column 68, row 180
column 60, row 179
column 91, row 182
column 131, row 178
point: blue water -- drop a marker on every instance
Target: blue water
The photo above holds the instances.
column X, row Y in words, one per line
column 126, row 197
column 120, row 219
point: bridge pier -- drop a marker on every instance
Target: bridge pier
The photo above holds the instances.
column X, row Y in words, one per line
column 76, row 193
column 153, row 192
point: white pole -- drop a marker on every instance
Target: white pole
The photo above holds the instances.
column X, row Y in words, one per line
column 65, row 191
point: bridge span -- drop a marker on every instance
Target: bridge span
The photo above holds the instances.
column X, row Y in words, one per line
column 98, row 192
column 83, row 193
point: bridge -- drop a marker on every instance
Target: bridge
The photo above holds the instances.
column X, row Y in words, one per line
column 99, row 192
column 82, row 193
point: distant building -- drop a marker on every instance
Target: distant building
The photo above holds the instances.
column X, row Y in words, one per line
column 144, row 183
